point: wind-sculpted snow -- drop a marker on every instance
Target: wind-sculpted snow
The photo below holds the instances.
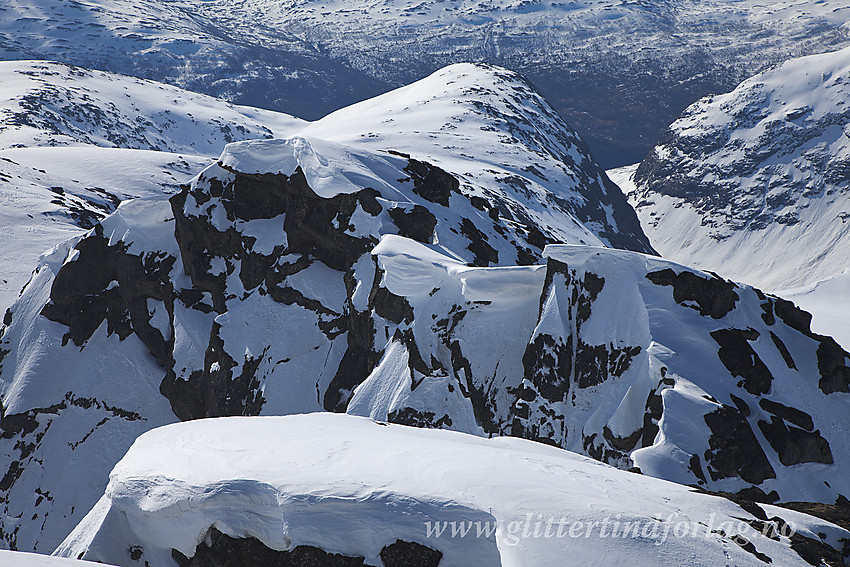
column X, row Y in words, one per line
column 338, row 490
column 382, row 276
column 754, row 183
column 76, row 143
column 49, row 104
column 20, row 559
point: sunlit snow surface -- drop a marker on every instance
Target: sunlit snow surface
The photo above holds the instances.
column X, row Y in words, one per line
column 351, row 486
column 20, row 559
column 74, row 143
column 753, row 183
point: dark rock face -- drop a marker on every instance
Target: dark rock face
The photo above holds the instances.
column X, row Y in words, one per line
column 417, row 223
column 431, row 183
column 225, row 551
column 484, row 253
column 416, row 418
column 215, row 391
column 734, row 449
column 832, row 363
column 741, row 360
column 789, row 414
column 794, row 445
column 714, row 297
column 82, row 296
column 409, row 554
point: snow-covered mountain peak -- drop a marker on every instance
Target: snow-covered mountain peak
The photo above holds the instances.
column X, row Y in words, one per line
column 460, row 103
column 52, row 104
column 490, row 129
column 754, row 183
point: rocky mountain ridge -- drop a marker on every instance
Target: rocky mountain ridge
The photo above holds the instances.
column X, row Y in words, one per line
column 754, row 183
column 375, row 272
column 617, row 71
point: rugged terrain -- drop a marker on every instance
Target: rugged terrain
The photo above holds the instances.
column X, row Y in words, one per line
column 75, row 143
column 755, row 183
column 617, row 71
column 391, row 261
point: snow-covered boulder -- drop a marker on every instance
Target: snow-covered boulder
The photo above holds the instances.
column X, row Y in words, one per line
column 324, row 489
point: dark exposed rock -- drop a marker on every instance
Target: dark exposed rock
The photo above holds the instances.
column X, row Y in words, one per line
column 748, row 546
column 417, row 223
column 314, row 226
column 416, row 418
column 838, row 513
column 733, row 448
column 547, row 366
column 812, row 551
column 410, row 554
column 832, row 364
column 714, row 296
column 767, row 316
column 224, row 551
column 357, row 362
column 832, row 359
column 596, row 363
column 789, row 414
column 220, row 550
column 695, row 466
column 390, row 306
column 792, row 315
column 431, row 182
column 215, row 391
column 741, row 405
column 82, row 296
column 783, row 350
column 794, row 445
column 624, row 444
column 741, row 360
column 484, row 253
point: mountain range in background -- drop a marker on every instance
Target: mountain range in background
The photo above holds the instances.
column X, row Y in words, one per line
column 619, row 72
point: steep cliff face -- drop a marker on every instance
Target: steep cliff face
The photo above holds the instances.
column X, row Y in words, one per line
column 379, row 277
column 754, row 183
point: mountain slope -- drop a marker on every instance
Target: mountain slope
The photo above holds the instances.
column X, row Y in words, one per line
column 235, row 489
column 829, row 302
column 754, row 183
column 642, row 64
column 75, row 143
column 49, row 104
column 277, row 231
column 17, row 559
column 302, row 274
column 177, row 43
